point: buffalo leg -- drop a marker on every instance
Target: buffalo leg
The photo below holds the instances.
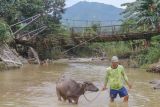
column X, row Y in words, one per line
column 76, row 100
column 58, row 94
column 64, row 98
column 69, row 99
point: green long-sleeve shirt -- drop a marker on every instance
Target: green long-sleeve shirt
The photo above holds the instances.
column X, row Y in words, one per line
column 115, row 77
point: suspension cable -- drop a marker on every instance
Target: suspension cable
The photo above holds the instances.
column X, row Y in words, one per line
column 80, row 44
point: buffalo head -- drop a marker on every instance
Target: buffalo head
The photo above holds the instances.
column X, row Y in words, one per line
column 88, row 86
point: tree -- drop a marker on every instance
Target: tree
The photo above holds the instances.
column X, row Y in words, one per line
column 53, row 10
column 13, row 11
column 143, row 11
column 9, row 10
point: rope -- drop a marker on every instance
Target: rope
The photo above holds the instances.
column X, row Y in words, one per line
column 93, row 98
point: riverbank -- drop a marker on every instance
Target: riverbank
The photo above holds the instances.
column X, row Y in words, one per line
column 98, row 61
column 126, row 62
column 155, row 68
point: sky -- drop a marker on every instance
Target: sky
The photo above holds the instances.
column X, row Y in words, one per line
column 116, row 3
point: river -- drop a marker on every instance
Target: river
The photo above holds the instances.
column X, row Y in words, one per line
column 34, row 86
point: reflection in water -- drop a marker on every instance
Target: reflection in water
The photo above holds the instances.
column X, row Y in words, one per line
column 34, row 86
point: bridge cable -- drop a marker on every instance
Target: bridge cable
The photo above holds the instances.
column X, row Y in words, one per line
column 64, row 52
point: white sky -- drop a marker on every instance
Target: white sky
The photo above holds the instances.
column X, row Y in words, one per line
column 116, row 3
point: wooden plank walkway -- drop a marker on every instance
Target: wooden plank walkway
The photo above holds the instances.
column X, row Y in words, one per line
column 110, row 38
column 114, row 33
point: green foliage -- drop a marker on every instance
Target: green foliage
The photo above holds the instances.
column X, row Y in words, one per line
column 29, row 8
column 89, row 32
column 151, row 56
column 52, row 53
column 51, row 11
column 92, row 30
column 9, row 10
column 112, row 48
column 156, row 39
column 84, row 51
column 95, row 27
column 2, row 66
column 54, row 10
column 143, row 11
column 4, row 32
column 13, row 11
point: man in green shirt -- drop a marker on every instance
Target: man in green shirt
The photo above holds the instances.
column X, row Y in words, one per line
column 116, row 77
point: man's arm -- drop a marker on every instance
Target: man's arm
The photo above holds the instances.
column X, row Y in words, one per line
column 105, row 81
column 126, row 79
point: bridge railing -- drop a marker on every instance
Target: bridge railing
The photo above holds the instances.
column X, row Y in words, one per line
column 112, row 30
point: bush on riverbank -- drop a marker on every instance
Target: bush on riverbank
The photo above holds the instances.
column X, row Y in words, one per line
column 107, row 49
column 2, row 66
column 4, row 31
column 152, row 54
column 111, row 48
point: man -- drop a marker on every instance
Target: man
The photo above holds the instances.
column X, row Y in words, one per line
column 115, row 75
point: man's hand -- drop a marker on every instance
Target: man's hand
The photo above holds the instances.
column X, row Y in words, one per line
column 130, row 86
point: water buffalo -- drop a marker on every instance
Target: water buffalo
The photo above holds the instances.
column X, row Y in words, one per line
column 70, row 90
column 157, row 84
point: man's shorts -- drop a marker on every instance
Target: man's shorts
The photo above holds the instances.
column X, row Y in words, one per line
column 122, row 92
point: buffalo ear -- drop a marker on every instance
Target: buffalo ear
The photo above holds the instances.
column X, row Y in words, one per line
column 86, row 82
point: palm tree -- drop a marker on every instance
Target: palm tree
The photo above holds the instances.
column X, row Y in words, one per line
column 143, row 11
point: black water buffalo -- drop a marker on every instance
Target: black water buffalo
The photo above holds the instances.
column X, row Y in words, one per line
column 70, row 90
column 157, row 84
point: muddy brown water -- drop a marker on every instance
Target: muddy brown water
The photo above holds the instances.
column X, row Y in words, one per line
column 34, row 86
